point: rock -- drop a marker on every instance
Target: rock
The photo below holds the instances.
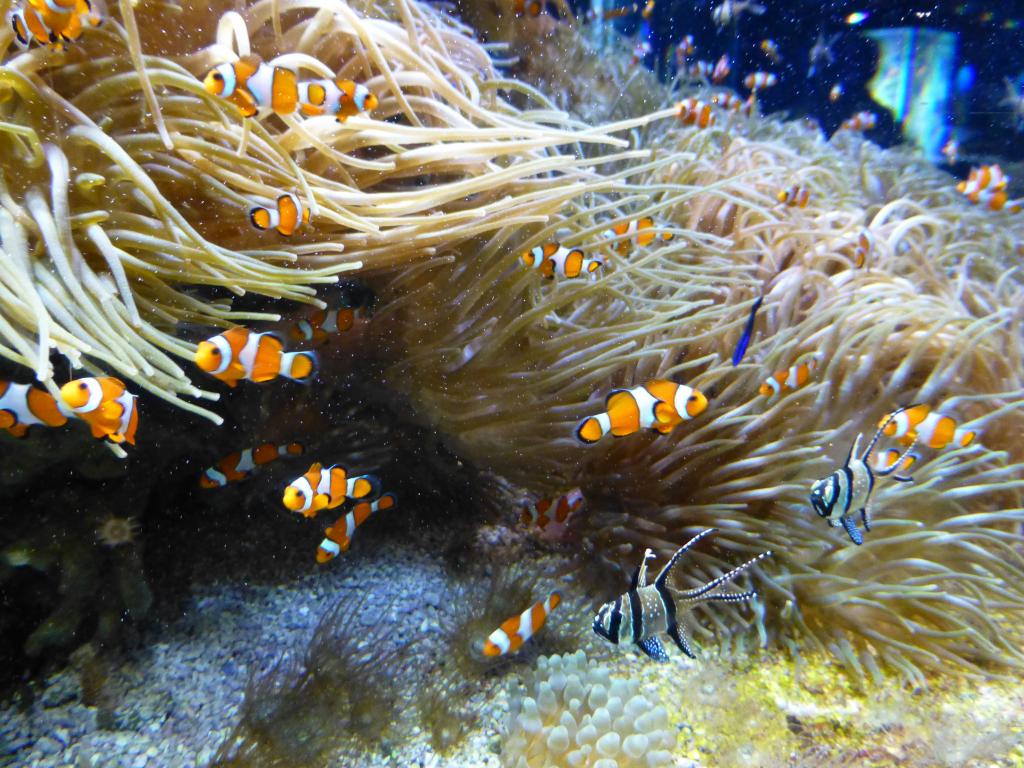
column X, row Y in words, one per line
column 48, row 746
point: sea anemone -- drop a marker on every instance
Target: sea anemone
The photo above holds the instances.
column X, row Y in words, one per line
column 114, row 531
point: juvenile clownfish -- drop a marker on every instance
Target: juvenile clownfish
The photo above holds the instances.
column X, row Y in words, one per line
column 758, row 81
column 53, row 23
column 341, row 98
column 951, row 150
column 701, row 69
column 862, row 121
column 286, row 216
column 733, row 102
column 997, row 200
column 862, row 247
column 251, row 83
column 23, row 406
column 531, row 8
column 647, row 610
column 105, row 403
column 554, row 259
column 659, row 404
column 695, row 112
column 648, row 10
column 791, row 378
column 240, row 465
column 885, row 459
column 240, row 354
column 917, row 423
column 319, row 326
column 982, row 179
column 771, row 50
column 338, row 538
column 327, row 488
column 721, row 69
column 513, row 632
column 638, row 230
column 795, row 197
column 550, row 517
column 685, row 47
column 835, row 92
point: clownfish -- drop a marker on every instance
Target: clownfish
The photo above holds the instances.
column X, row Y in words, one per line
column 612, row 13
column 550, row 517
column 105, row 403
column 982, row 179
column 513, row 632
column 683, row 49
column 951, row 150
column 659, row 405
column 327, row 488
column 702, row 69
column 733, row 102
column 695, row 112
column 23, row 406
column 791, row 378
column 53, row 23
column 286, row 216
column 531, row 8
column 318, row 327
column 862, row 247
column 771, row 50
column 554, row 259
column 240, row 354
column 251, row 83
column 758, row 81
column 341, row 98
column 721, row 69
column 638, row 230
column 648, row 10
column 794, row 197
column 917, row 423
column 338, row 538
column 885, row 459
column 862, row 121
column 240, row 465
column 836, row 92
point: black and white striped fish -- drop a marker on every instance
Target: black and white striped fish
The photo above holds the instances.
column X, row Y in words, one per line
column 647, row 610
column 848, row 489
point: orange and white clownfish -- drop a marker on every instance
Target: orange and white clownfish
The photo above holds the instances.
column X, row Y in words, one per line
column 836, row 92
column 638, row 230
column 341, row 98
column 695, row 112
column 998, row 200
column 240, row 354
column 862, row 121
column 554, row 259
column 251, row 83
column 104, row 402
column 771, row 50
column 794, row 197
column 612, row 13
column 510, row 636
column 240, row 465
column 721, row 69
column 758, row 81
column 327, row 488
column 917, row 423
column 700, row 69
column 659, row 404
column 531, row 8
column 791, row 378
column 862, row 247
column 951, row 150
column 354, row 302
column 53, row 23
column 550, row 516
column 883, row 460
column 23, row 406
column 338, row 538
column 286, row 216
column 648, row 10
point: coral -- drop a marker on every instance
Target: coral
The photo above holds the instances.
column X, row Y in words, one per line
column 507, row 366
column 573, row 713
column 117, row 531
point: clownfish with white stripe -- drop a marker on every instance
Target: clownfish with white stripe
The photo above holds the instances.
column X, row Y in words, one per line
column 327, row 488
column 917, row 423
column 695, row 112
column 108, row 407
column 886, row 459
column 53, row 23
column 636, row 231
column 758, row 81
column 848, row 490
column 550, row 517
column 240, row 354
column 286, row 216
column 554, row 259
column 513, row 632
column 790, row 379
column 338, row 538
column 251, row 83
column 862, row 247
column 531, row 8
column 862, row 121
column 721, row 69
column 240, row 465
column 23, row 406
column 795, row 197
column 341, row 98
column 647, row 610
column 700, row 69
column 659, row 405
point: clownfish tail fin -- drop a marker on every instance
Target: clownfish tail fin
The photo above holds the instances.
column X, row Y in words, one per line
column 299, row 366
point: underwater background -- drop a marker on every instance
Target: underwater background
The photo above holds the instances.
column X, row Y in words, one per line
column 511, row 383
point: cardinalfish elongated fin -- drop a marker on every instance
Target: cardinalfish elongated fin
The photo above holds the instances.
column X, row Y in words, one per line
column 241, row 465
column 660, row 405
column 748, row 332
column 338, row 538
column 106, row 405
column 513, row 632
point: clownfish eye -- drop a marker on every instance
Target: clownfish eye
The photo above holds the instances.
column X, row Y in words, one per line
column 692, row 399
column 215, row 351
column 82, row 385
column 300, row 494
column 218, row 77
